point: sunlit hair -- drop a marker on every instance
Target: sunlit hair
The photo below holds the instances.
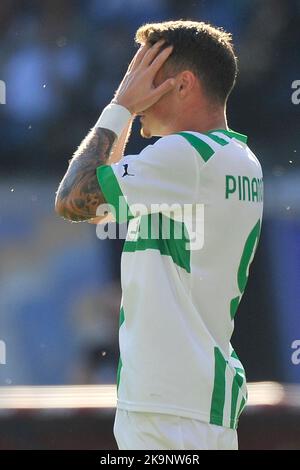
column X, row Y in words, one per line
column 205, row 50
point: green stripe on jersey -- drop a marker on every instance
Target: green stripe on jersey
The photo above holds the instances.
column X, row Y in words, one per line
column 218, row 395
column 234, row 354
column 230, row 133
column 234, row 306
column 122, row 317
column 121, row 320
column 204, row 150
column 169, row 237
column 112, row 193
column 236, row 386
column 242, row 406
column 217, row 139
column 238, row 381
column 219, row 391
column 120, row 365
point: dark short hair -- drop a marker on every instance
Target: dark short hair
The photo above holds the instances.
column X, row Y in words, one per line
column 200, row 47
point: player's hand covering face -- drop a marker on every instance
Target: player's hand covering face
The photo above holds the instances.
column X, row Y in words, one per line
column 137, row 91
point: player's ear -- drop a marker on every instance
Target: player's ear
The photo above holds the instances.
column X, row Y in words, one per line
column 185, row 82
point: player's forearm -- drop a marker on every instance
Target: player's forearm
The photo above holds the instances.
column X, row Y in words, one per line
column 79, row 194
column 120, row 144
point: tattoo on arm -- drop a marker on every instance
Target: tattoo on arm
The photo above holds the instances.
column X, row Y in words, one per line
column 79, row 193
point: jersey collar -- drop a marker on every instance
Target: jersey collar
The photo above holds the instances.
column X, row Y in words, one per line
column 243, row 138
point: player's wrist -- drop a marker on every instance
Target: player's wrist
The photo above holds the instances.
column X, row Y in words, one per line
column 115, row 117
column 123, row 102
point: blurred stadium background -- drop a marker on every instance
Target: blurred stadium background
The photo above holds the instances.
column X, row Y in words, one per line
column 61, row 61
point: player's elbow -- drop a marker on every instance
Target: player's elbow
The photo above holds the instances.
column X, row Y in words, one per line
column 70, row 209
column 64, row 208
column 60, row 206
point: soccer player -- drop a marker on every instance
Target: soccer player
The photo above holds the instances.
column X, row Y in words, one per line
column 180, row 383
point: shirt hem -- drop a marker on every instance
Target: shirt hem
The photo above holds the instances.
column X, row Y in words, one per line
column 172, row 410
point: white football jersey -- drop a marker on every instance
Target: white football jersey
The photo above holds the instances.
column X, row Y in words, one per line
column 194, row 204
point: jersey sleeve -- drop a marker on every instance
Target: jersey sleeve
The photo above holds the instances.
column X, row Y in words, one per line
column 163, row 174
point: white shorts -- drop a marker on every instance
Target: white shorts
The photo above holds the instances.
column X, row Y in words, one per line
column 134, row 430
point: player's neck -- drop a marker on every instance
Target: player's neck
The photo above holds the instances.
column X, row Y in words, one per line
column 203, row 120
column 207, row 125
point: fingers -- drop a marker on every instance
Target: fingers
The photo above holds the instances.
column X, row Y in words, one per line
column 138, row 57
column 161, row 59
column 148, row 55
column 151, row 53
column 162, row 89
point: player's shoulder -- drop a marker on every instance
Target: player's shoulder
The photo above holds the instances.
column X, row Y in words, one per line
column 171, row 146
column 173, row 142
column 215, row 141
column 204, row 145
column 199, row 145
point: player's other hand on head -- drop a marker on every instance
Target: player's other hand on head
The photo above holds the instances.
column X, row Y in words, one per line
column 137, row 91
